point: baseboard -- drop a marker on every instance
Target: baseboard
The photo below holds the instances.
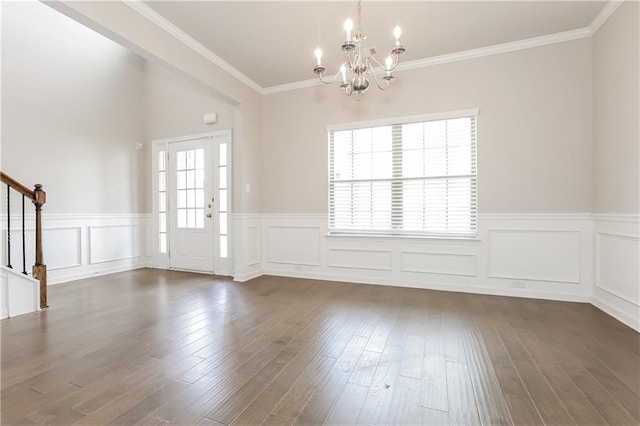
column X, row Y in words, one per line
column 623, row 317
column 431, row 285
column 96, row 273
column 248, row 276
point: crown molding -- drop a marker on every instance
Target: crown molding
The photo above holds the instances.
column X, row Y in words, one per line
column 606, row 12
column 189, row 41
column 292, row 86
column 458, row 56
column 496, row 49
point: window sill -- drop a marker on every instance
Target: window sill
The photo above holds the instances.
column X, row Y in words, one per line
column 399, row 237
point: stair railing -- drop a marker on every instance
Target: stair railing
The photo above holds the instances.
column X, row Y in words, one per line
column 39, row 198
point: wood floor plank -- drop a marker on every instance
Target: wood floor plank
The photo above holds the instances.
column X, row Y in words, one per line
column 434, row 383
column 610, row 409
column 434, row 417
column 291, row 405
column 323, row 399
column 365, row 369
column 405, row 405
column 462, row 406
column 378, row 402
column 413, row 357
column 157, row 347
column 347, row 408
column 492, row 407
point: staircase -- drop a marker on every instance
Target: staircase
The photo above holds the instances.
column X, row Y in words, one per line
column 19, row 292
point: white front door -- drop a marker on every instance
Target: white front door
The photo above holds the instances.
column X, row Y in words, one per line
column 197, row 195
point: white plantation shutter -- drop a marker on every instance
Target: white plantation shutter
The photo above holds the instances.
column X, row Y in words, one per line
column 416, row 178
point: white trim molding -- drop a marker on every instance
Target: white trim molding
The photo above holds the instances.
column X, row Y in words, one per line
column 190, row 42
column 305, row 250
column 607, row 11
column 513, row 46
column 616, row 266
column 74, row 248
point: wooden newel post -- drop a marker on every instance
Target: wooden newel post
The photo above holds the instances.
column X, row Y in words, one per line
column 40, row 269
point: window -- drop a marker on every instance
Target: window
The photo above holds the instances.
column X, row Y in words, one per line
column 162, row 202
column 407, row 178
column 223, row 231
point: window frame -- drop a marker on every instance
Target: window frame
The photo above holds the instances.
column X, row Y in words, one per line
column 399, row 121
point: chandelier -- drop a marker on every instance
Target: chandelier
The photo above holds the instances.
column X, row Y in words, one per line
column 358, row 68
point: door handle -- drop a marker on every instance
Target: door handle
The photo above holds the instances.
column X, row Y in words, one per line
column 208, row 214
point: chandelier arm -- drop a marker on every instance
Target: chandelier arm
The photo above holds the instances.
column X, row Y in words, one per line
column 395, row 65
column 335, row 77
column 375, row 77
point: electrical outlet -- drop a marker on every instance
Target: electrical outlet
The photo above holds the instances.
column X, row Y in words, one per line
column 518, row 284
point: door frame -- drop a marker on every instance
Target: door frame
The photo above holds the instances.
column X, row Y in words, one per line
column 161, row 260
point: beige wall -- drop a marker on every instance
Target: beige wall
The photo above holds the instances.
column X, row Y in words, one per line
column 534, row 132
column 76, row 104
column 128, row 27
column 174, row 105
column 616, row 134
column 72, row 112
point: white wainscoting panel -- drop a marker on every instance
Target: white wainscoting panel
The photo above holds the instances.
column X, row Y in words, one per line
column 62, row 247
column 253, row 248
column 293, row 244
column 247, row 246
column 439, row 263
column 548, row 251
column 617, row 267
column 4, row 290
column 616, row 288
column 109, row 243
column 78, row 246
column 357, row 258
column 536, row 255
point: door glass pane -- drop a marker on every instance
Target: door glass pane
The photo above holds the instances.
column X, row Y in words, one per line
column 199, row 198
column 191, row 159
column 200, row 159
column 223, row 200
column 182, row 199
column 223, row 223
column 190, row 183
column 223, row 177
column 191, row 198
column 163, row 243
column 199, row 179
column 162, row 222
column 223, row 246
column 181, row 180
column 223, row 154
column 182, row 218
column 162, row 201
column 181, row 160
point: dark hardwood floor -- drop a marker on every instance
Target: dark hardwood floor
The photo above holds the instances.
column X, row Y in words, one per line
column 153, row 347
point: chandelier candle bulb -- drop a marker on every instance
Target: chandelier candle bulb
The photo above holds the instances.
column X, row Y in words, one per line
column 348, row 26
column 318, row 53
column 389, row 62
column 396, row 33
column 343, row 70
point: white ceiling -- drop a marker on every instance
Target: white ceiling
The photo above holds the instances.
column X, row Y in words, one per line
column 272, row 42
